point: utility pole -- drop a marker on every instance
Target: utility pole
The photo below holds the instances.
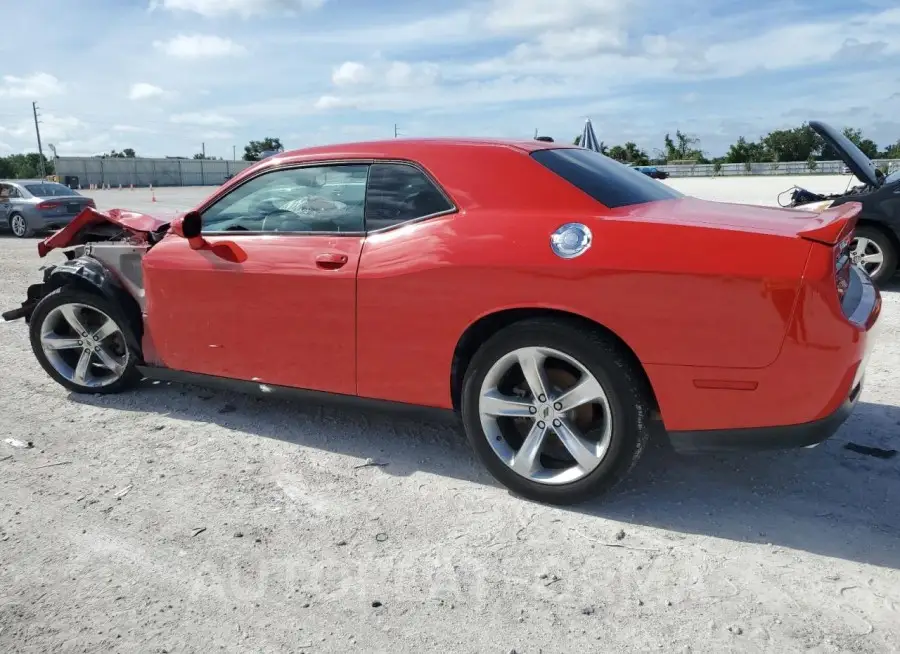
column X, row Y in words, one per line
column 37, row 131
column 395, row 130
column 234, row 153
column 203, row 148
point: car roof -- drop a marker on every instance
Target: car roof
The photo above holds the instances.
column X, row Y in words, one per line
column 24, row 181
column 408, row 148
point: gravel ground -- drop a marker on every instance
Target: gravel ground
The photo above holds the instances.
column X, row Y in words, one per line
column 176, row 519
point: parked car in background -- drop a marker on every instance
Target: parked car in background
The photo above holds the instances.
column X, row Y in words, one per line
column 486, row 278
column 28, row 206
column 876, row 242
column 652, row 171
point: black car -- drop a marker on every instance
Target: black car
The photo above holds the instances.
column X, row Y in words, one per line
column 876, row 244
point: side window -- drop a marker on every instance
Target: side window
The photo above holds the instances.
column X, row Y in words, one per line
column 309, row 199
column 398, row 193
column 7, row 192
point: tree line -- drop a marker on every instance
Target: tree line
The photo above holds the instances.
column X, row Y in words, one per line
column 795, row 144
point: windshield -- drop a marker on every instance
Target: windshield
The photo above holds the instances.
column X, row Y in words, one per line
column 49, row 190
column 606, row 180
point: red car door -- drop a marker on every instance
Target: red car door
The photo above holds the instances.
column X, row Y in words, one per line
column 286, row 315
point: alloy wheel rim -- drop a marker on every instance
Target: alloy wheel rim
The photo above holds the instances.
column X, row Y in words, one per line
column 84, row 345
column 866, row 254
column 18, row 225
column 545, row 415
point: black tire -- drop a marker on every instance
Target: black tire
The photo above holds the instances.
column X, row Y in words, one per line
column 625, row 387
column 28, row 230
column 889, row 267
column 69, row 295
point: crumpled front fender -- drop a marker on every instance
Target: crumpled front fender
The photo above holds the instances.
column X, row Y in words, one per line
column 138, row 224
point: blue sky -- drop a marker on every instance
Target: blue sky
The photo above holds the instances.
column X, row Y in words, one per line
column 162, row 76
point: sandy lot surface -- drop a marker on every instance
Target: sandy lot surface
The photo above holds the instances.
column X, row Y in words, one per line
column 176, row 519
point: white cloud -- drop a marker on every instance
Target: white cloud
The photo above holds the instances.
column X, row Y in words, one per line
column 207, row 119
column 516, row 15
column 573, row 43
column 217, row 135
column 33, row 87
column 400, row 74
column 350, row 73
column 131, row 129
column 200, row 46
column 142, row 91
column 53, row 128
column 395, row 74
column 331, row 102
column 242, row 8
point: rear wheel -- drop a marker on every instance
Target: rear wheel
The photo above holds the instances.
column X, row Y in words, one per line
column 82, row 341
column 556, row 414
column 19, row 226
column 874, row 252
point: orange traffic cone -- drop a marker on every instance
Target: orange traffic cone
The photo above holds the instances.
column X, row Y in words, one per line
column 152, row 194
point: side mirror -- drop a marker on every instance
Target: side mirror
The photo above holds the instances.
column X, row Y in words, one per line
column 189, row 226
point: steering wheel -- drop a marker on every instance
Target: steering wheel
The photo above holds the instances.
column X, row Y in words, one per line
column 288, row 221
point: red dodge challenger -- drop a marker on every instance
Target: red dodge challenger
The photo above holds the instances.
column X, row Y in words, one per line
column 557, row 300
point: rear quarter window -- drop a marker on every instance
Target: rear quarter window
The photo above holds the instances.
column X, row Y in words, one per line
column 606, row 180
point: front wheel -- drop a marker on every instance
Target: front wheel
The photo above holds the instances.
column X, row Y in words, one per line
column 556, row 414
column 874, row 252
column 82, row 341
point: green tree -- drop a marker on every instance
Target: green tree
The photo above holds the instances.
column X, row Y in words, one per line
column 744, row 151
column 629, row 153
column 253, row 150
column 797, row 144
column 24, row 166
column 618, row 153
column 683, row 147
column 892, row 151
column 634, row 155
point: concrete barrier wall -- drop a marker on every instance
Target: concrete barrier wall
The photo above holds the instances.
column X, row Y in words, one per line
column 144, row 172
column 208, row 172
column 770, row 168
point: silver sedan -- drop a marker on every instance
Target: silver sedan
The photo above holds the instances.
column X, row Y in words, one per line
column 33, row 205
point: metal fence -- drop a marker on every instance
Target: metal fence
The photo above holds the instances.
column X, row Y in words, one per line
column 144, row 172
column 769, row 168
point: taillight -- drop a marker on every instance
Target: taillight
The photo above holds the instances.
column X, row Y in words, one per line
column 842, row 264
column 48, row 205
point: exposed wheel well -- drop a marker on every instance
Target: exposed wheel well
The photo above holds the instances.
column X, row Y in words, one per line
column 128, row 305
column 481, row 330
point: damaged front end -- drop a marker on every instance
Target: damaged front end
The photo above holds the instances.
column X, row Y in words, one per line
column 104, row 257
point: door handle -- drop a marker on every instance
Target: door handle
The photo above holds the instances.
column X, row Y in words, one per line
column 331, row 260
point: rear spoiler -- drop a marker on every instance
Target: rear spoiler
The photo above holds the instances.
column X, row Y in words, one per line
column 832, row 225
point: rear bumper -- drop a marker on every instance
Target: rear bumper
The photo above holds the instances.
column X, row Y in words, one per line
column 807, row 434
column 40, row 221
